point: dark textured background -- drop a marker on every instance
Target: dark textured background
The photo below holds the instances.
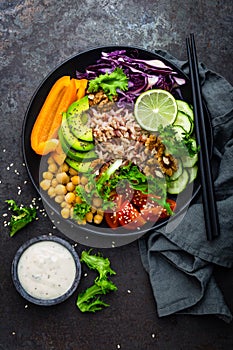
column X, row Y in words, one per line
column 37, row 35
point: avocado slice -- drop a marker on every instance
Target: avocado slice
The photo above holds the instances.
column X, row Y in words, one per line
column 78, row 129
column 72, row 153
column 78, row 106
column 78, row 166
column 77, row 119
column 71, row 140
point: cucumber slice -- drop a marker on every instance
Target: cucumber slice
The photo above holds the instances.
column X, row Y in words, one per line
column 178, row 172
column 185, row 108
column 180, row 132
column 177, row 186
column 192, row 173
column 189, row 162
column 183, row 121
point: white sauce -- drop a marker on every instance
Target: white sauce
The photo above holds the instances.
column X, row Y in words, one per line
column 46, row 270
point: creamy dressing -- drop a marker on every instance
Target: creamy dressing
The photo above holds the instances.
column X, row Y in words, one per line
column 46, row 270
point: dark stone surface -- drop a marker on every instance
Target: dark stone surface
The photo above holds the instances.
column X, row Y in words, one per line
column 37, row 35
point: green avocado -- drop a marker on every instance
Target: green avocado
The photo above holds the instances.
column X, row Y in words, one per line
column 78, row 129
column 78, row 107
column 72, row 140
column 73, row 154
column 77, row 119
column 78, row 166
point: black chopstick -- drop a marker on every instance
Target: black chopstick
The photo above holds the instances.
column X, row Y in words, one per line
column 208, row 196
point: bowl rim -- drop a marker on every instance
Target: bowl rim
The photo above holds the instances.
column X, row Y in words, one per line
column 20, row 288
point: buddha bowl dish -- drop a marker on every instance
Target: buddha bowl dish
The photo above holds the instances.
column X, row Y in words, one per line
column 109, row 144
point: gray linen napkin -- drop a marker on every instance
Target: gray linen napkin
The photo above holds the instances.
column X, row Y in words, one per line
column 180, row 261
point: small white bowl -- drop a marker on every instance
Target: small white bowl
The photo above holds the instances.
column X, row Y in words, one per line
column 46, row 270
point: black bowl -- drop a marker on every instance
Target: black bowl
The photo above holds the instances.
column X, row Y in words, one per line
column 96, row 235
column 45, row 300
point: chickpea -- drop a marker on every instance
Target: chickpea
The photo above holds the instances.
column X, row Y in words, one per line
column 51, row 192
column 47, row 175
column 98, row 219
column 82, row 222
column 59, row 198
column 73, row 172
column 60, row 189
column 45, row 184
column 84, row 180
column 54, row 182
column 78, row 200
column 62, row 178
column 75, row 180
column 70, row 197
column 89, row 217
column 97, row 202
column 100, row 212
column 52, row 168
column 64, row 167
column 50, row 160
column 88, row 187
column 64, row 204
column 70, row 187
column 65, row 213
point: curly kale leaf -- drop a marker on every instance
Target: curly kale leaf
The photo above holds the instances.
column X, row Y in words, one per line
column 22, row 217
column 89, row 300
column 109, row 83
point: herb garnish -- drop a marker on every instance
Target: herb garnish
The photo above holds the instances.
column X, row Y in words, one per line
column 23, row 215
column 109, row 83
column 89, row 300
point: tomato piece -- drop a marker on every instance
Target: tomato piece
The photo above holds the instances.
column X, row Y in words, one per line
column 152, row 214
column 164, row 213
column 139, row 199
column 130, row 217
column 111, row 216
column 118, row 199
column 111, row 219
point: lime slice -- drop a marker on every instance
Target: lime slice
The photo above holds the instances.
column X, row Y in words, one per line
column 154, row 108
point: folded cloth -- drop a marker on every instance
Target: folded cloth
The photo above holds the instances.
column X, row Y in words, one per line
column 178, row 257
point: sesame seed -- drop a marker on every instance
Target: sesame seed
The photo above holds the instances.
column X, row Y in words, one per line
column 13, row 333
column 118, row 346
column 26, row 306
column 4, row 150
column 128, row 291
